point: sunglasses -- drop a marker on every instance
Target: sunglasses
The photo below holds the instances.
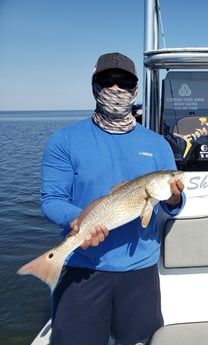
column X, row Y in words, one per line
column 126, row 84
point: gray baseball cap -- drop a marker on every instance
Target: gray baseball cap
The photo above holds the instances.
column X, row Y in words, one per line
column 115, row 61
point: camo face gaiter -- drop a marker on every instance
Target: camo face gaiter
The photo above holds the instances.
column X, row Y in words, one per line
column 113, row 108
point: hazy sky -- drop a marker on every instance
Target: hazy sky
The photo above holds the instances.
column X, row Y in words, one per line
column 48, row 48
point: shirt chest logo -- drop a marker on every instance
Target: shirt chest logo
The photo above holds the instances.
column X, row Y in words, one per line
column 147, row 154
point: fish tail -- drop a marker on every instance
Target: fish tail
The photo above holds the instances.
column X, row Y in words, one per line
column 45, row 267
column 48, row 266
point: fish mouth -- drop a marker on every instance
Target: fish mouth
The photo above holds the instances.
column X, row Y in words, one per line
column 179, row 174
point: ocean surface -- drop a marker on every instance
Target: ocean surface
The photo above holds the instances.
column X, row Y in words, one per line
column 24, row 233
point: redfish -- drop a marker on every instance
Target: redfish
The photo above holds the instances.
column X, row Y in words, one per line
column 126, row 202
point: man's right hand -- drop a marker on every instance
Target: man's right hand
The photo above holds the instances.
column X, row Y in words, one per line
column 97, row 235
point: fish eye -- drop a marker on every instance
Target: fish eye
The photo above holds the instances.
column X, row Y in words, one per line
column 50, row 255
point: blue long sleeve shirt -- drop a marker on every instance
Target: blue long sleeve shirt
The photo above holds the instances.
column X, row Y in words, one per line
column 82, row 162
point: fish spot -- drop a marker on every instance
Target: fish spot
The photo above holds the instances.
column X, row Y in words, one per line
column 50, row 255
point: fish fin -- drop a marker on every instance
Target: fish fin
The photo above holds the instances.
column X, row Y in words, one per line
column 117, row 186
column 146, row 213
column 45, row 267
column 88, row 209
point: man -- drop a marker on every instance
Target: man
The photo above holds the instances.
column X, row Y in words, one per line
column 109, row 285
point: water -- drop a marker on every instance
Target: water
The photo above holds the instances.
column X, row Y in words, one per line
column 24, row 233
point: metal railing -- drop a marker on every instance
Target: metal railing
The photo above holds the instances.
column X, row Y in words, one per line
column 156, row 58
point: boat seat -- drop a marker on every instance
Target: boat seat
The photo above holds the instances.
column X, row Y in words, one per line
column 182, row 334
column 183, row 270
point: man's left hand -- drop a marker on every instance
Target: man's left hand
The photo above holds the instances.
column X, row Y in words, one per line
column 177, row 187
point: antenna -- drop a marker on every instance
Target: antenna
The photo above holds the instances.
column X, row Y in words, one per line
column 161, row 24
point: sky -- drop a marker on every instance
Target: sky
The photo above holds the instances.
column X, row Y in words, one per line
column 48, row 48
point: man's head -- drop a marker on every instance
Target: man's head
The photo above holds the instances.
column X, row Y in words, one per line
column 115, row 68
column 114, row 84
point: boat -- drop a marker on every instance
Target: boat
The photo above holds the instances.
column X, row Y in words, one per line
column 43, row 337
column 177, row 108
